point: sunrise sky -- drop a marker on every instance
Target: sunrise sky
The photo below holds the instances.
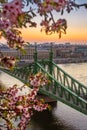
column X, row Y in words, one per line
column 76, row 31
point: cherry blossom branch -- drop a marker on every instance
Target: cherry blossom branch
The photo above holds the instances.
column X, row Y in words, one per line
column 80, row 5
column 52, row 18
column 14, row 106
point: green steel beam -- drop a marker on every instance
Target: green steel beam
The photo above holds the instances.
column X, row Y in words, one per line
column 60, row 91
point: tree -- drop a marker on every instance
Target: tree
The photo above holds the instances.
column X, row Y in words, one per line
column 13, row 16
column 15, row 109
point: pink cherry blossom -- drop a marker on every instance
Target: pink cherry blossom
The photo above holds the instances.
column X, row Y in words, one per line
column 12, row 10
column 21, row 105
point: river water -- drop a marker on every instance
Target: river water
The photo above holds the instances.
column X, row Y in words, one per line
column 62, row 117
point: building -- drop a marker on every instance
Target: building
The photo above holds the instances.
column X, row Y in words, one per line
column 65, row 52
column 27, row 54
column 24, row 54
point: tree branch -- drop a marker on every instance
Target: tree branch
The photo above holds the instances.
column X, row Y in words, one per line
column 81, row 5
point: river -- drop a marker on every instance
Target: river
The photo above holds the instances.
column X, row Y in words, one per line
column 62, row 117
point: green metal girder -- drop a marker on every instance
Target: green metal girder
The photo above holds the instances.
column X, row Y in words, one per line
column 65, row 91
column 63, row 101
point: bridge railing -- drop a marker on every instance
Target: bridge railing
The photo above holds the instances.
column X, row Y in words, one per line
column 60, row 92
column 68, row 81
column 56, row 89
column 64, row 78
column 21, row 73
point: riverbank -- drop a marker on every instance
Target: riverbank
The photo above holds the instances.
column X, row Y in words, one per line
column 56, row 60
column 69, row 60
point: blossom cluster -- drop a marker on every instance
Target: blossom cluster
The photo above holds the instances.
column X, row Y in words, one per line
column 9, row 21
column 58, row 5
column 14, row 39
column 21, row 107
column 59, row 26
column 8, row 61
column 46, row 7
column 12, row 10
column 38, row 80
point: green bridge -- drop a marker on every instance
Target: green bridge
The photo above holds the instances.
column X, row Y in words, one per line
column 63, row 87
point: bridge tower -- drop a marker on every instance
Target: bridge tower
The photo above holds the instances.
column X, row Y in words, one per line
column 51, row 59
column 46, row 98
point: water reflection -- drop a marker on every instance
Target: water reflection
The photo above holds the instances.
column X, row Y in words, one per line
column 72, row 118
column 78, row 71
column 61, row 117
column 47, row 120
